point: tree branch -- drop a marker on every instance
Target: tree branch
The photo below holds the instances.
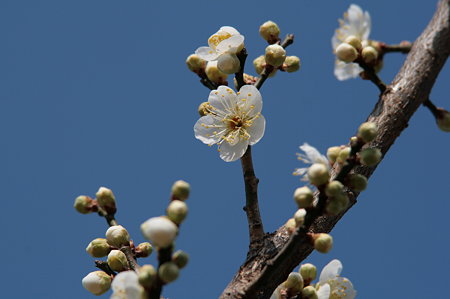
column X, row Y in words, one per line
column 410, row 88
column 242, row 56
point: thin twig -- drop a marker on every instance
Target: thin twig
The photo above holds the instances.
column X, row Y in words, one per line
column 403, row 47
column 371, row 75
column 433, row 109
column 104, row 267
column 164, row 255
column 242, row 56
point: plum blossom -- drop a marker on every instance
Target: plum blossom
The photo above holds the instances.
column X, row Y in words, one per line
column 126, row 286
column 233, row 121
column 331, row 283
column 311, row 156
column 356, row 23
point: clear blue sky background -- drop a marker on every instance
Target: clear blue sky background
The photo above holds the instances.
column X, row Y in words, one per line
column 96, row 93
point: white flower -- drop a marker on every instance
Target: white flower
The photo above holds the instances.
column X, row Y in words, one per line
column 160, row 231
column 233, row 121
column 356, row 23
column 336, row 286
column 225, row 41
column 311, row 156
column 126, row 286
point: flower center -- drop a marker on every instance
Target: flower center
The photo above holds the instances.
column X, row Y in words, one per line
column 216, row 39
column 235, row 123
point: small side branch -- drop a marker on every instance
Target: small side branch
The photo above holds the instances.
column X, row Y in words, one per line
column 242, row 56
column 403, row 47
column 370, row 74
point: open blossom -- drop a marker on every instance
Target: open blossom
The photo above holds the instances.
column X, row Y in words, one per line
column 336, row 286
column 355, row 23
column 126, row 286
column 311, row 156
column 233, row 121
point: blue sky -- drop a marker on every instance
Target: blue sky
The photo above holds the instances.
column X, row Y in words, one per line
column 96, row 93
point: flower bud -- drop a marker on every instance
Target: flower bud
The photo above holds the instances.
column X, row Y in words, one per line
column 168, row 272
column 291, row 64
column 203, row 109
column 303, row 196
column 260, row 63
column 144, row 249
column 117, row 261
column 195, row 64
column 177, row 211
column 146, row 275
column 333, row 153
column 368, row 131
column 117, row 236
column 97, row 282
column 346, row 53
column 323, row 243
column 357, row 182
column 318, row 174
column 180, row 258
column 181, row 190
column 354, row 41
column 84, row 204
column 337, row 204
column 309, row 292
column 308, row 272
column 353, row 140
column 443, row 120
column 106, row 200
column 290, row 225
column 275, row 55
column 160, row 231
column 370, row 156
column 98, row 248
column 369, row 54
column 299, row 217
column 334, row 188
column 214, row 74
column 343, row 155
column 228, row 63
column 294, row 282
column 269, row 31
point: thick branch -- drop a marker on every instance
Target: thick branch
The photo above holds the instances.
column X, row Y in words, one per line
column 410, row 88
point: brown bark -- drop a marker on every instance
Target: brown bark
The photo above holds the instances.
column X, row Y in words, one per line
column 267, row 266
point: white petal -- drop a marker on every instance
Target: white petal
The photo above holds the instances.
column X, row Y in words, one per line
column 300, row 171
column 344, row 71
column 367, row 26
column 126, row 286
column 250, row 100
column 359, row 22
column 256, row 130
column 313, row 154
column 229, row 29
column 324, row 292
column 335, row 41
column 232, row 44
column 207, row 53
column 223, row 100
column 330, row 271
column 342, row 288
column 209, row 130
column 230, row 153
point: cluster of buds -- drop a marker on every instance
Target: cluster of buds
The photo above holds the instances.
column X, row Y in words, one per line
column 355, row 50
column 330, row 285
column 120, row 270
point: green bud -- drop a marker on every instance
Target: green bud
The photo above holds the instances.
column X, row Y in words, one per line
column 84, row 204
column 299, row 217
column 318, row 174
column 294, row 282
column 354, row 41
column 346, row 52
column 97, row 282
column 291, row 64
column 177, row 211
column 195, row 64
column 368, row 131
column 144, row 249
column 333, row 153
column 370, row 156
column 168, row 272
column 334, row 188
column 357, row 182
column 214, row 74
column 98, row 248
column 106, row 200
column 181, row 190
column 275, row 55
column 117, row 236
column 180, row 258
column 117, row 261
column 269, row 31
column 309, row 292
column 290, row 225
column 337, row 204
column 323, row 242
column 303, row 196
column 308, row 272
column 443, row 120
column 146, row 275
column 369, row 54
column 343, row 155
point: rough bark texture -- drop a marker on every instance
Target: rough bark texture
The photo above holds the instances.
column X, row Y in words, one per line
column 267, row 266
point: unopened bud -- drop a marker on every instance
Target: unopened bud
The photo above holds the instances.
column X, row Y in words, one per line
column 294, row 282
column 323, row 243
column 177, row 211
column 318, row 174
column 180, row 258
column 337, row 204
column 343, row 155
column 117, row 236
column 203, row 109
column 228, row 63
column 357, row 182
column 275, row 55
column 144, row 249
column 353, row 140
column 346, row 53
column 334, row 188
column 368, row 131
column 308, row 272
column 195, row 64
column 303, row 196
column 290, row 225
column 333, row 153
column 299, row 217
column 84, row 204
column 309, row 292
column 369, row 54
column 97, row 282
column 160, row 231
column 443, row 120
column 146, row 275
column 370, row 156
column 354, row 41
column 98, row 248
column 106, row 200
column 291, row 64
column 214, row 74
column 269, row 31
column 181, row 190
column 117, row 261
column 168, row 272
